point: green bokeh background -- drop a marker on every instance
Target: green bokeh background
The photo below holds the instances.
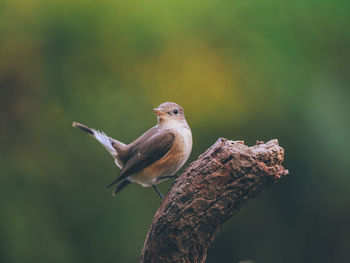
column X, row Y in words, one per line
column 244, row 70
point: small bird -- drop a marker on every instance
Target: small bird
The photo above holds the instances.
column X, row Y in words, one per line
column 153, row 157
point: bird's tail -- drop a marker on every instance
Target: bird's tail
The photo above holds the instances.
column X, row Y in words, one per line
column 83, row 128
column 101, row 137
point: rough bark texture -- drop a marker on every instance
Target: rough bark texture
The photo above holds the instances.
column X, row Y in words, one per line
column 206, row 194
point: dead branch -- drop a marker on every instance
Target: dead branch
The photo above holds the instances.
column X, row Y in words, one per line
column 210, row 191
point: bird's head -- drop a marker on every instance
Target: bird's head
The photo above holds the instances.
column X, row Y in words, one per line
column 169, row 112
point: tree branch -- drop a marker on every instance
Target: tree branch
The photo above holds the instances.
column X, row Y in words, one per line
column 210, row 191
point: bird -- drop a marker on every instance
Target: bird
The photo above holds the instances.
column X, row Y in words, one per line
column 153, row 157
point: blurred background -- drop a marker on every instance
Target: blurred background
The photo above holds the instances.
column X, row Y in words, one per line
column 244, row 70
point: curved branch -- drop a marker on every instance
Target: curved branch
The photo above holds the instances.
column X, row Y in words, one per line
column 206, row 194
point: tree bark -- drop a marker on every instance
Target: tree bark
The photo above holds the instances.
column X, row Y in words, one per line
column 210, row 191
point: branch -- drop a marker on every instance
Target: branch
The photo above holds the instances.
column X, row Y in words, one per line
column 210, row 191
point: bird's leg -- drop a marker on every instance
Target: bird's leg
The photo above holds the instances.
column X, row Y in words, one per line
column 158, row 192
column 165, row 177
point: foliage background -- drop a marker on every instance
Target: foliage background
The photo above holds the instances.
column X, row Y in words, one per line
column 245, row 70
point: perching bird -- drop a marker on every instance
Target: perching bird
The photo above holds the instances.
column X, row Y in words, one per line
column 156, row 155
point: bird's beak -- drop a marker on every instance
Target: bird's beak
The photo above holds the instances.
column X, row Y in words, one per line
column 158, row 111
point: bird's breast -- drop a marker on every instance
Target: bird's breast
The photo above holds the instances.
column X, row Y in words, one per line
column 170, row 163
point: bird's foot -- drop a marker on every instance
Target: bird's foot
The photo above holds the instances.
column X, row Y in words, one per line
column 165, row 177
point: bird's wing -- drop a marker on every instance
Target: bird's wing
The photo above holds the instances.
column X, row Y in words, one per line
column 145, row 153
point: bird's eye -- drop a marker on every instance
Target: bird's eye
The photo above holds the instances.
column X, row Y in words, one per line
column 176, row 111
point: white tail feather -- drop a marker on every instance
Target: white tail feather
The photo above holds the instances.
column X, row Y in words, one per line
column 105, row 141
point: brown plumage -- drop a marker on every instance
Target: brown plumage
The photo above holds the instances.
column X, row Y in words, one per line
column 156, row 155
